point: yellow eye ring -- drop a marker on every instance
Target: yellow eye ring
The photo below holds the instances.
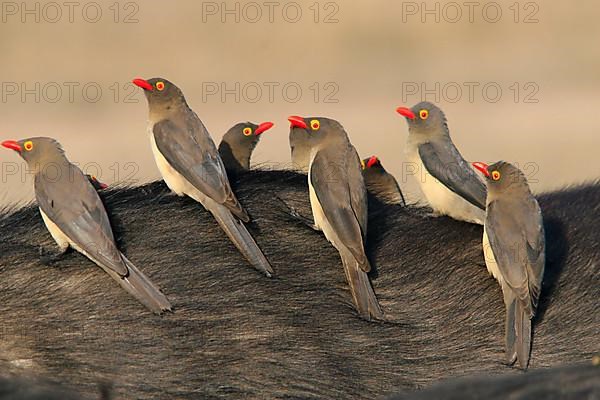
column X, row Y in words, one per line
column 315, row 124
column 496, row 175
column 423, row 114
column 28, row 145
column 247, row 131
column 160, row 86
column 362, row 164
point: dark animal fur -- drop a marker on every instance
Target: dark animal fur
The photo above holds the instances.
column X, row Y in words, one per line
column 237, row 334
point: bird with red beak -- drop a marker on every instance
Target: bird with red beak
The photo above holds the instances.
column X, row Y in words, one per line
column 514, row 249
column 96, row 183
column 75, row 217
column 448, row 182
column 190, row 164
column 338, row 200
column 380, row 183
column 299, row 144
column 239, row 142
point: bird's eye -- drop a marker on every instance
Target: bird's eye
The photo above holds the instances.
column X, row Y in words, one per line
column 28, row 145
column 495, row 175
column 362, row 164
column 160, row 86
column 247, row 131
column 315, row 124
column 423, row 114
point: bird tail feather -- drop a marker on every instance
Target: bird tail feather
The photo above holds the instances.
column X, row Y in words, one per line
column 363, row 294
column 510, row 333
column 142, row 288
column 242, row 239
column 523, row 331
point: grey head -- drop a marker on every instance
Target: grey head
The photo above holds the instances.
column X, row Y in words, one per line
column 503, row 178
column 37, row 151
column 425, row 119
column 162, row 95
column 239, row 142
column 307, row 133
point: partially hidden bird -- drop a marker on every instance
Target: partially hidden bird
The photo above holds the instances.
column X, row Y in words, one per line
column 381, row 183
column 239, row 142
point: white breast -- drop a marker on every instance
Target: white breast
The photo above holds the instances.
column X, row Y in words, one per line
column 57, row 234
column 174, row 180
column 441, row 199
column 490, row 259
column 61, row 238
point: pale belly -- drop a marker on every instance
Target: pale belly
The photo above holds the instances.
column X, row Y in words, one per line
column 441, row 199
column 174, row 180
column 57, row 234
column 61, row 239
column 490, row 259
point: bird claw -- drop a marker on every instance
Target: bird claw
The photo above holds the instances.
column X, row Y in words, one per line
column 48, row 258
column 297, row 216
column 165, row 196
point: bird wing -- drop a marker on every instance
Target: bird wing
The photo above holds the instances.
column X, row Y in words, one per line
column 72, row 203
column 358, row 191
column 192, row 156
column 342, row 200
column 516, row 235
column 453, row 172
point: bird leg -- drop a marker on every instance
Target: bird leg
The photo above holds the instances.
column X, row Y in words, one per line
column 297, row 216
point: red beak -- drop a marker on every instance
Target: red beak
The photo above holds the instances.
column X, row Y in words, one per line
column 406, row 112
column 297, row 122
column 142, row 83
column 11, row 144
column 372, row 161
column 102, row 185
column 482, row 167
column 265, row 126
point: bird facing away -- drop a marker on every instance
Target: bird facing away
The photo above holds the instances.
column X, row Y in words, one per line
column 338, row 200
column 381, row 183
column 514, row 249
column 300, row 148
column 189, row 163
column 238, row 143
column 449, row 183
column 75, row 217
column 96, row 183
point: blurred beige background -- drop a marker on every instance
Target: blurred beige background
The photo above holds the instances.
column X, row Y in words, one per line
column 373, row 51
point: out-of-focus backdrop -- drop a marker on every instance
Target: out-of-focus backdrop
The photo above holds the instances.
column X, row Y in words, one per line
column 518, row 81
